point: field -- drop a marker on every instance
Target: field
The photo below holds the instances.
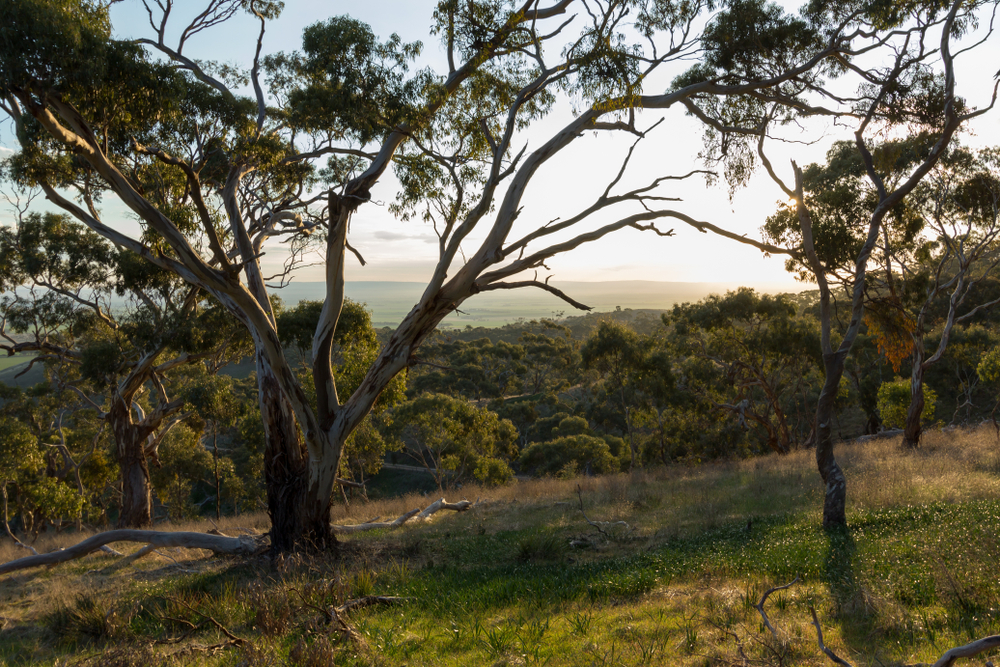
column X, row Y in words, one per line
column 523, row 578
column 7, row 362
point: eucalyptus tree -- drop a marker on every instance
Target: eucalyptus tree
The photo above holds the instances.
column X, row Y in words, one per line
column 55, row 470
column 761, row 348
column 213, row 176
column 61, row 278
column 551, row 358
column 478, row 369
column 934, row 252
column 456, row 440
column 912, row 91
column 619, row 355
column 959, row 204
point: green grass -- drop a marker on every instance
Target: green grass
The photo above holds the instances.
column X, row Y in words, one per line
column 523, row 579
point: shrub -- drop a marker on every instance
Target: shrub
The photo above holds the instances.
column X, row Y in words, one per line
column 989, row 366
column 549, row 458
column 493, row 472
column 894, row 402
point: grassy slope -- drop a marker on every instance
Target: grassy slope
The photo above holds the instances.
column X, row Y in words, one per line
column 499, row 585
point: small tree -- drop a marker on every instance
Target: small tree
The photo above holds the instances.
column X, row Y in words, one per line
column 894, row 403
column 455, row 440
column 959, row 204
column 618, row 354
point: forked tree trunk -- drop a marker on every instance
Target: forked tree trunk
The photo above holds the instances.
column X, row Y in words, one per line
column 835, row 495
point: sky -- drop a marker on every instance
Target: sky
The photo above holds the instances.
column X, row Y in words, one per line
column 406, row 251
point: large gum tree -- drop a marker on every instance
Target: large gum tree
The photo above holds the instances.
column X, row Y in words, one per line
column 216, row 178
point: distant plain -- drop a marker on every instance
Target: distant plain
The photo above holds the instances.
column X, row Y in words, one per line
column 391, row 301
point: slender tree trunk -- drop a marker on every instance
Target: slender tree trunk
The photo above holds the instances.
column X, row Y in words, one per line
column 779, row 415
column 835, row 497
column 912, row 429
column 6, row 523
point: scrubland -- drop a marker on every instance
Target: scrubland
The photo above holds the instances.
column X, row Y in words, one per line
column 523, row 578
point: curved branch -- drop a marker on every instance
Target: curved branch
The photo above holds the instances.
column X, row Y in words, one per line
column 969, row 650
column 532, row 283
column 836, row 659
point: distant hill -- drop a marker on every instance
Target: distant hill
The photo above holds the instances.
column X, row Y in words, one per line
column 391, row 301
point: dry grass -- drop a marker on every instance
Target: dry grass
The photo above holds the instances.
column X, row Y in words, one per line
column 691, row 618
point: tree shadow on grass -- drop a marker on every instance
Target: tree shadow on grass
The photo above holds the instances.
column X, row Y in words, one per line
column 838, row 568
column 852, row 606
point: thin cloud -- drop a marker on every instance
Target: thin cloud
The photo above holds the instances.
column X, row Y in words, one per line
column 382, row 235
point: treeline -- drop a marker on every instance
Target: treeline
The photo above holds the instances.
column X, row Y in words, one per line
column 146, row 413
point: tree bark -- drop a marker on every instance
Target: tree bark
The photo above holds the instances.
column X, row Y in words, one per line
column 218, row 483
column 137, row 505
column 913, row 429
column 298, row 519
column 835, row 496
column 137, row 493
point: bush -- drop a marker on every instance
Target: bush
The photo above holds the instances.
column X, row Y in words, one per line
column 894, row 403
column 493, row 472
column 989, row 366
column 549, row 458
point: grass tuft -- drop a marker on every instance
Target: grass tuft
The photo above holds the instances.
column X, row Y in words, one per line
column 542, row 547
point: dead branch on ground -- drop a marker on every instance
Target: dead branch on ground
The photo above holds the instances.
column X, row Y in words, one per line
column 231, row 639
column 424, row 515
column 601, row 526
column 760, row 605
column 947, row 660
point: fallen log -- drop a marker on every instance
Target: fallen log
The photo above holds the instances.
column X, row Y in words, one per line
column 244, row 545
column 436, row 506
column 372, row 525
column 240, row 546
column 443, row 504
column 968, row 651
